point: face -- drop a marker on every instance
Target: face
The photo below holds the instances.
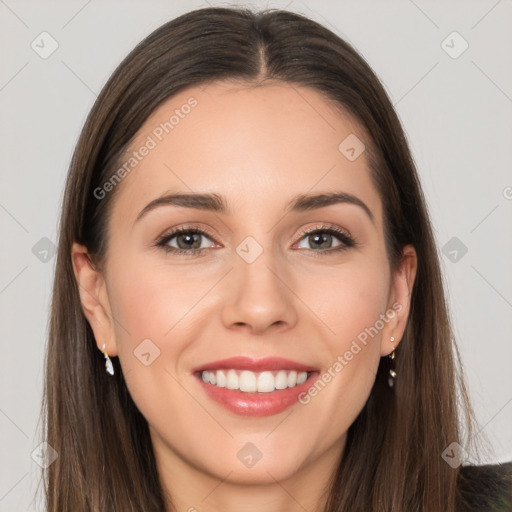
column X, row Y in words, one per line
column 291, row 287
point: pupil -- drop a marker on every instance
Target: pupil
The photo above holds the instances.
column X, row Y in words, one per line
column 190, row 238
column 314, row 239
column 326, row 238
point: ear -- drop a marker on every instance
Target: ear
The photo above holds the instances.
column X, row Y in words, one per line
column 94, row 299
column 402, row 282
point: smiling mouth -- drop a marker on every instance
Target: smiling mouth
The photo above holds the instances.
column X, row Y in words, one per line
column 254, row 382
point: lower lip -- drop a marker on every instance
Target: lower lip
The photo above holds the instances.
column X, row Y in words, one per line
column 257, row 404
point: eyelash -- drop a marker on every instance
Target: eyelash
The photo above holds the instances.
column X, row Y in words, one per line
column 346, row 240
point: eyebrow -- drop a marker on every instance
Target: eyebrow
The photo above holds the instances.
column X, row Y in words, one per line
column 217, row 203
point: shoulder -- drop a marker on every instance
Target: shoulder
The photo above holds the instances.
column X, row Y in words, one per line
column 486, row 488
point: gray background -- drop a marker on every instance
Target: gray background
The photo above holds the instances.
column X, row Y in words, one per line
column 456, row 112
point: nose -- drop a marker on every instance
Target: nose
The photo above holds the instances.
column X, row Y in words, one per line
column 258, row 297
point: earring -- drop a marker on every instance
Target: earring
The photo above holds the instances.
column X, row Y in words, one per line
column 108, row 363
column 392, row 373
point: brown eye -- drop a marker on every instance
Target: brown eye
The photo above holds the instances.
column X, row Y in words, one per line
column 188, row 240
column 184, row 241
column 326, row 239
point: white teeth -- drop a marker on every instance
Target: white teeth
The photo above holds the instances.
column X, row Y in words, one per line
column 301, row 378
column 232, row 380
column 221, row 379
column 250, row 382
column 265, row 382
column 247, row 381
column 281, row 380
column 292, row 379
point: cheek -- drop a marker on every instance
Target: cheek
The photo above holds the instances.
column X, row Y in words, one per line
column 351, row 300
column 151, row 302
column 152, row 307
column 158, row 310
column 353, row 307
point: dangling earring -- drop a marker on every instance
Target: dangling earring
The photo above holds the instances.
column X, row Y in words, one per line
column 392, row 373
column 108, row 363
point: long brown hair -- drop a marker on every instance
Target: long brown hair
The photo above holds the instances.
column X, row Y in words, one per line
column 392, row 459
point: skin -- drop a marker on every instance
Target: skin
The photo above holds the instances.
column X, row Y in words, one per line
column 258, row 147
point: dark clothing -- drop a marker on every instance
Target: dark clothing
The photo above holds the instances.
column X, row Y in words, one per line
column 486, row 488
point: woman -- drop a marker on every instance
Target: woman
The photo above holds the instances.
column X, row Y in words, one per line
column 248, row 311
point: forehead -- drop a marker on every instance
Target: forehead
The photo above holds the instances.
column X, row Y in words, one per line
column 252, row 143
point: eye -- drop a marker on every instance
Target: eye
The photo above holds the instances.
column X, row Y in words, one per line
column 189, row 240
column 321, row 238
column 184, row 240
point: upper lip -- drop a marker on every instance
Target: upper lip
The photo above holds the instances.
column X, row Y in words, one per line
column 255, row 365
